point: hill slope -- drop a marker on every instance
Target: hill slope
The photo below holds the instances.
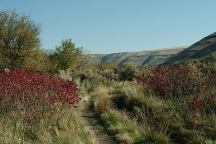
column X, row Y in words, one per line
column 154, row 57
column 201, row 49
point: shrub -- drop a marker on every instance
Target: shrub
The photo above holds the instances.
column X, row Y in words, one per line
column 171, row 80
column 106, row 66
column 125, row 73
column 120, row 98
column 33, row 95
column 102, row 99
column 109, row 74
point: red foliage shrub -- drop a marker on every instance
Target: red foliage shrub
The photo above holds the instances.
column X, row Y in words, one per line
column 207, row 101
column 200, row 104
column 33, row 94
column 180, row 81
column 169, row 80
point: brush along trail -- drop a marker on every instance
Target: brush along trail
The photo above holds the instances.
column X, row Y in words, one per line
column 92, row 121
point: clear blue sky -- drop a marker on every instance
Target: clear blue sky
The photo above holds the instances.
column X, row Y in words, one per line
column 105, row 26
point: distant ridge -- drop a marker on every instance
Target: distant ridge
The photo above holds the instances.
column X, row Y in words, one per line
column 153, row 57
column 200, row 50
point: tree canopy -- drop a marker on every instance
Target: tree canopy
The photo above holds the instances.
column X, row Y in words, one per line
column 19, row 36
column 66, row 56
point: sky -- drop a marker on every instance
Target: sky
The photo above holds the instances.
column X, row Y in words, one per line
column 109, row 26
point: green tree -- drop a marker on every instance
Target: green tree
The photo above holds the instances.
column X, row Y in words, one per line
column 38, row 60
column 66, row 56
column 19, row 37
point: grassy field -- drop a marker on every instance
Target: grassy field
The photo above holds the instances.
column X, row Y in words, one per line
column 161, row 105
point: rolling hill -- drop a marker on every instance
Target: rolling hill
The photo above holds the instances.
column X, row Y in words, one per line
column 153, row 57
column 200, row 50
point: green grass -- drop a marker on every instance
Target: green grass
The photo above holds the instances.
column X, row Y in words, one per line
column 124, row 128
column 136, row 117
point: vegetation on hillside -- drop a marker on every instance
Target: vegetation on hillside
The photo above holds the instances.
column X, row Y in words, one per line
column 166, row 104
column 200, row 50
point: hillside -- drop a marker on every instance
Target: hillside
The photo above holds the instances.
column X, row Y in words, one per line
column 153, row 57
column 201, row 49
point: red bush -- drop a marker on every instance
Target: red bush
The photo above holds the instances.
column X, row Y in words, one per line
column 169, row 80
column 33, row 93
column 180, row 81
column 201, row 104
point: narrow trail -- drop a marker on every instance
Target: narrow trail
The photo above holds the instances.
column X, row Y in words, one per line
column 91, row 120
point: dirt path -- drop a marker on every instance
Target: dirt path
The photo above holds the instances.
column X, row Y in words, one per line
column 90, row 118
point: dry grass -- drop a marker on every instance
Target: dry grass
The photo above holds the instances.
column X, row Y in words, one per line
column 65, row 127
